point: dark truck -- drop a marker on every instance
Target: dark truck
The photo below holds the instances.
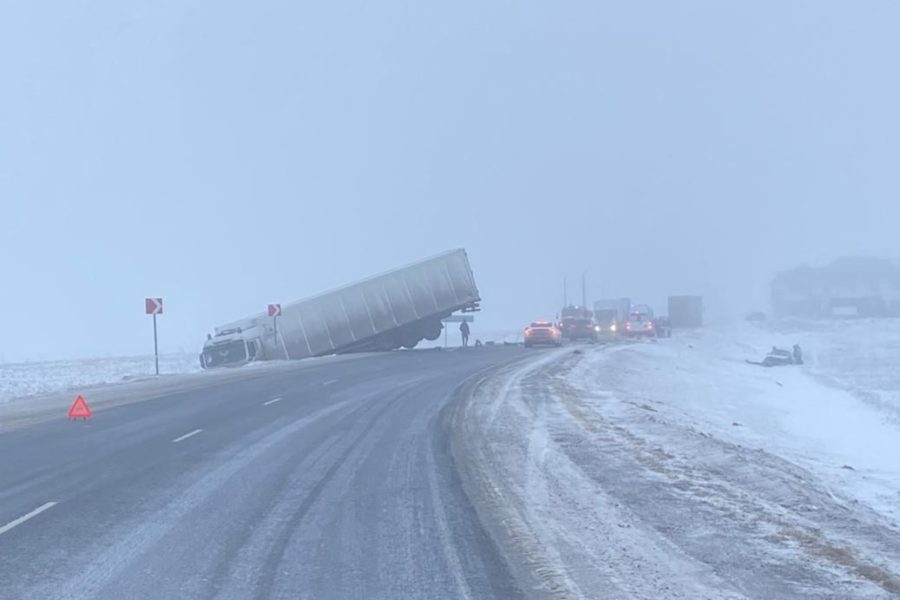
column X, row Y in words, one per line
column 577, row 323
column 397, row 309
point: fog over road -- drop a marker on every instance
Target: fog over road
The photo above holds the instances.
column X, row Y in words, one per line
column 331, row 481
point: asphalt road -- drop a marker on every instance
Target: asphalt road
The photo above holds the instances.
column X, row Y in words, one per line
column 333, row 481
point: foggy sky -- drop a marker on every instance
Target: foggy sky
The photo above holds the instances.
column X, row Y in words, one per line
column 225, row 155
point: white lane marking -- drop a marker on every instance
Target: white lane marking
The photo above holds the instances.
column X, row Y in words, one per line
column 186, row 436
column 330, row 381
column 24, row 518
column 272, row 401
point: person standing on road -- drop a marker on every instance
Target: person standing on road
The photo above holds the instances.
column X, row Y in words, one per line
column 464, row 330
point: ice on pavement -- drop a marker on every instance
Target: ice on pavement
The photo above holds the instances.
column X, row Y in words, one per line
column 20, row 380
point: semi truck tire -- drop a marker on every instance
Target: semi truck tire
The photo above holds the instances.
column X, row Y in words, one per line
column 431, row 330
column 410, row 338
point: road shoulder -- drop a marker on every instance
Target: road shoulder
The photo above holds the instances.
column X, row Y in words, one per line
column 592, row 494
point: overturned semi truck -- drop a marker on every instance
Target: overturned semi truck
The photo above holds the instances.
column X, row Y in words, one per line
column 398, row 309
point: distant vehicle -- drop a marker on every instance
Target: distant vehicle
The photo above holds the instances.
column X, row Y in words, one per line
column 640, row 322
column 778, row 357
column 610, row 314
column 663, row 327
column 542, row 333
column 397, row 309
column 577, row 323
column 606, row 320
column 685, row 311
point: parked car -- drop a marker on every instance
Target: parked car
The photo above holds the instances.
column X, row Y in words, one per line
column 542, row 333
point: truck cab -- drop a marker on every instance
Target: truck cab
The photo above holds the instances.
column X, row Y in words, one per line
column 606, row 320
column 610, row 314
column 232, row 347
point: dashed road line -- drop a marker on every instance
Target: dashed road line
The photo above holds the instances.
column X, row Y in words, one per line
column 186, row 436
column 272, row 401
column 330, row 381
column 24, row 518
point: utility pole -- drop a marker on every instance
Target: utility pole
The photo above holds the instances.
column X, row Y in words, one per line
column 565, row 292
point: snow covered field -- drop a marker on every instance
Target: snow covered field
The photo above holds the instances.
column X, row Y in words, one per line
column 838, row 415
column 673, row 469
column 29, row 379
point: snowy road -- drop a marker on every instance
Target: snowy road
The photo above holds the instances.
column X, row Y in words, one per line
column 601, row 478
column 317, row 479
column 649, row 470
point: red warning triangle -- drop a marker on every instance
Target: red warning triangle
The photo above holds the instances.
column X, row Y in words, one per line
column 80, row 409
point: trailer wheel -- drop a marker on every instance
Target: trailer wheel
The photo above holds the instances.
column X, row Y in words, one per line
column 431, row 330
column 410, row 339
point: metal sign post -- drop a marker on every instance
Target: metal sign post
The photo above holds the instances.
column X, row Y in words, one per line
column 154, row 306
column 155, row 345
column 275, row 312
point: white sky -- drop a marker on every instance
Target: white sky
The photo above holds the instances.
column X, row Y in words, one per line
column 224, row 155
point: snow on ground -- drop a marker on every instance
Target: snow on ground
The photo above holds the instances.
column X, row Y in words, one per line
column 49, row 387
column 29, row 379
column 673, row 469
column 860, row 356
column 838, row 415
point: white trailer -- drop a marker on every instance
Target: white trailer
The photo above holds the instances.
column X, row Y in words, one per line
column 397, row 309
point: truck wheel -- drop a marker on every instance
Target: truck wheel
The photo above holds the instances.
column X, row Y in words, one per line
column 431, row 330
column 410, row 338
